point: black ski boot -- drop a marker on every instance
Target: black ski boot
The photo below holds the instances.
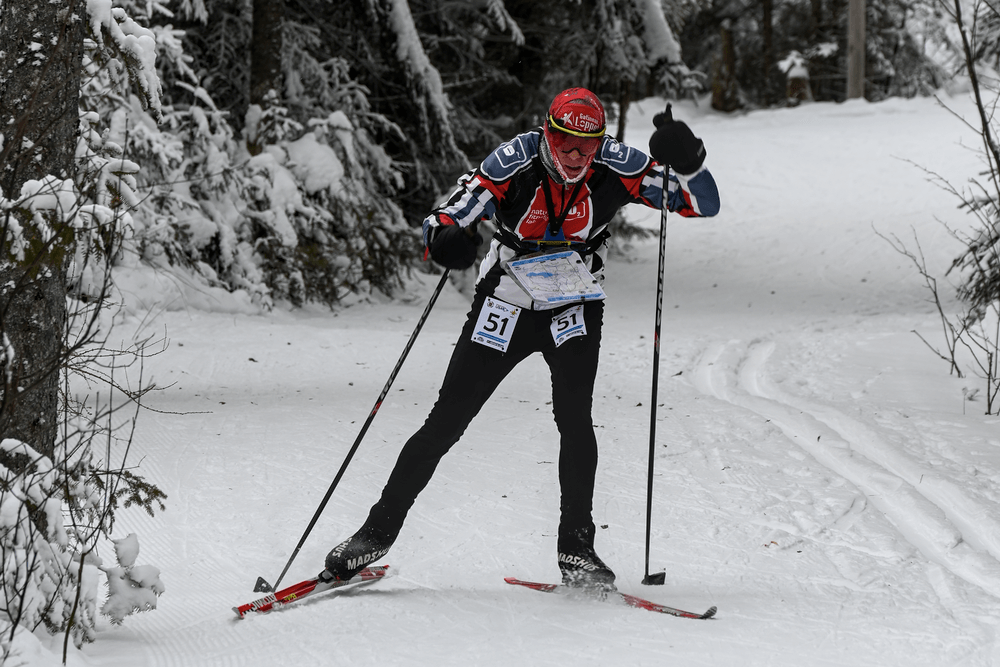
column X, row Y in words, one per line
column 580, row 565
column 358, row 551
column 370, row 543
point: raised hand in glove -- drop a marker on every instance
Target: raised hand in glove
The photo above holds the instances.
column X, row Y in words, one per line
column 674, row 144
column 454, row 247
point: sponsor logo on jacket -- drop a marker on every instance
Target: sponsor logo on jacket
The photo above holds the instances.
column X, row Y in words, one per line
column 576, row 225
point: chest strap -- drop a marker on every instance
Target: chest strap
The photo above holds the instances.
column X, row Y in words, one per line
column 525, row 247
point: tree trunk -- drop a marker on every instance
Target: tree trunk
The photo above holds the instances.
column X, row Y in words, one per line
column 39, row 116
column 265, row 49
column 39, row 88
column 767, row 39
column 624, row 99
column 856, row 49
column 725, row 89
column 265, row 60
column 815, row 19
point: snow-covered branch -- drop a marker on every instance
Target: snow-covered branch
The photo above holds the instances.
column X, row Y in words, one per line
column 127, row 50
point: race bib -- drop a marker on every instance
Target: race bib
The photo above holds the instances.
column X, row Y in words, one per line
column 496, row 323
column 568, row 324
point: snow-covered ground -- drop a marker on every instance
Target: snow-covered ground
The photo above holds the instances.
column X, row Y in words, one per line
column 819, row 474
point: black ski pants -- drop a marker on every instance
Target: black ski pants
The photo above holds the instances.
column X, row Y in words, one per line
column 473, row 374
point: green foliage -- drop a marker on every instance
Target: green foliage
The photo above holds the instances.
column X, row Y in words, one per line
column 123, row 489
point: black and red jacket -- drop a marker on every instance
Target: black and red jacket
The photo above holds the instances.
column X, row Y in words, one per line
column 510, row 187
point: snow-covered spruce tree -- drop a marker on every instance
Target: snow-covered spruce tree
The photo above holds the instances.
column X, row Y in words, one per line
column 380, row 40
column 320, row 188
column 63, row 217
column 289, row 200
column 471, row 46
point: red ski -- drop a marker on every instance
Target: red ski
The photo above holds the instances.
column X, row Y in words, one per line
column 306, row 588
column 630, row 600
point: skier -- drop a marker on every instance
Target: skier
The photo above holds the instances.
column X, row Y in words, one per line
column 556, row 187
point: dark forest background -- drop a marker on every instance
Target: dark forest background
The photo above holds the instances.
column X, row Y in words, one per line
column 425, row 89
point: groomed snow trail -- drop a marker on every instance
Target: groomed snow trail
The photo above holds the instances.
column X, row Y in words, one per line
column 818, row 476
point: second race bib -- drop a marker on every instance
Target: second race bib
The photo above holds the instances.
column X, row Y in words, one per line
column 568, row 324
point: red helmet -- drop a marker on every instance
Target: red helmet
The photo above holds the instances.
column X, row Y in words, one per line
column 574, row 131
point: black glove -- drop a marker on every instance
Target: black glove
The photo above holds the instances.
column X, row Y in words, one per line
column 454, row 247
column 675, row 145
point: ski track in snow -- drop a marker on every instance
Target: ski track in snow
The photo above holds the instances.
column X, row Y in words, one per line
column 937, row 516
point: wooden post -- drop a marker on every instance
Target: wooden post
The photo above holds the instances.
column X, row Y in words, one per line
column 856, row 49
column 767, row 37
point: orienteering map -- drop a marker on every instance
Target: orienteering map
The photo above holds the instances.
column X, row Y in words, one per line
column 556, row 279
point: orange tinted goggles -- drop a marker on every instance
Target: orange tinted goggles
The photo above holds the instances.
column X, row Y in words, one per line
column 565, row 143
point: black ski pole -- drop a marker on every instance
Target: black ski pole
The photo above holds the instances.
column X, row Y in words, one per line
column 262, row 585
column 658, row 578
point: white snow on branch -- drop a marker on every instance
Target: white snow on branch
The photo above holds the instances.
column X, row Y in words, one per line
column 657, row 35
column 135, row 44
column 794, row 65
column 131, row 588
column 50, row 202
column 498, row 12
column 424, row 77
column 7, row 357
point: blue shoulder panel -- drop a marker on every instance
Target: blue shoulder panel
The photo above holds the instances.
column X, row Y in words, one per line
column 511, row 157
column 622, row 158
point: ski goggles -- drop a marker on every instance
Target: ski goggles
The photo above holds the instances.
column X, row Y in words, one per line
column 564, row 139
